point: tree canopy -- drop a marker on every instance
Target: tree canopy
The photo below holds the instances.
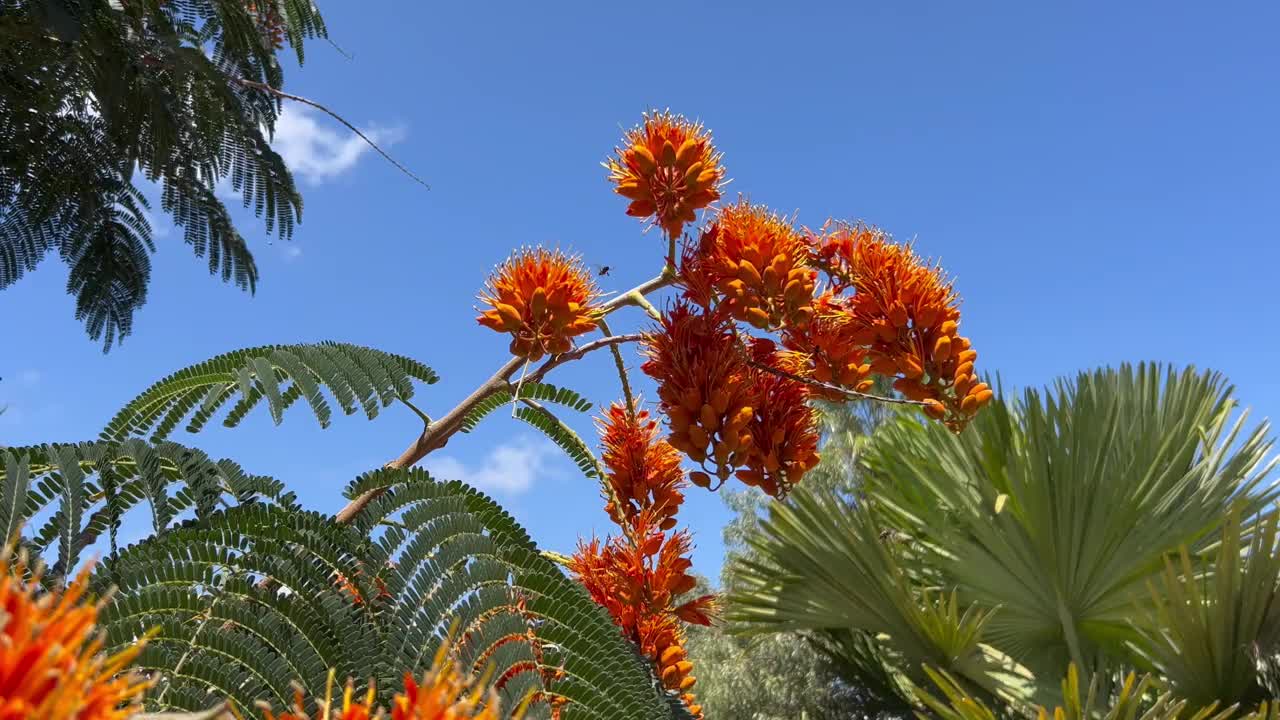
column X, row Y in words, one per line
column 101, row 99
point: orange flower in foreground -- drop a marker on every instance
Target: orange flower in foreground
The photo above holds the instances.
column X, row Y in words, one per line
column 669, row 170
column 351, row 709
column 756, row 266
column 544, row 299
column 703, row 387
column 644, row 470
column 443, row 694
column 638, row 583
column 51, row 664
column 906, row 315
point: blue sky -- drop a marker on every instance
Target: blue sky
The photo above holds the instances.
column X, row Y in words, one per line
column 1102, row 179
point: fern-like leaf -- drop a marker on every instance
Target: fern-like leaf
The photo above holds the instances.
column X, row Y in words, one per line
column 543, row 392
column 248, row 600
column 562, row 435
column 92, row 485
column 280, row 374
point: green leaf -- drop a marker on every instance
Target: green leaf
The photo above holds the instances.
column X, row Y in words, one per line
column 562, row 435
column 542, row 392
column 279, row 373
column 246, row 600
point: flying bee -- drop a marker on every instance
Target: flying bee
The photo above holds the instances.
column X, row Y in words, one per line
column 602, row 270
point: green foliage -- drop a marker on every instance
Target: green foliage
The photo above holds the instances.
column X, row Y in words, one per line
column 1044, row 525
column 1212, row 616
column 357, row 378
column 245, row 593
column 167, row 91
column 444, row 554
column 561, row 434
column 543, row 392
column 84, row 489
column 789, row 675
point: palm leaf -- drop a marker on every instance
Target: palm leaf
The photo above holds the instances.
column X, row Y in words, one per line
column 1058, row 508
column 1214, row 619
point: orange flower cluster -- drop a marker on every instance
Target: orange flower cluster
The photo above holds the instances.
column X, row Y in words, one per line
column 443, row 694
column 269, row 21
column 51, row 662
column 731, row 416
column 640, row 576
column 901, row 321
column 703, row 388
column 830, row 349
column 644, row 471
column 784, row 435
column 668, row 169
column 544, row 299
column 353, row 590
column 754, row 264
column 638, row 580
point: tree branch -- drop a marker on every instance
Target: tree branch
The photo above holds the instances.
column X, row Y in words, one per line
column 850, row 394
column 306, row 101
column 437, row 434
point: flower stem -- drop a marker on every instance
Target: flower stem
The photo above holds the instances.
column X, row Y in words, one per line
column 850, row 394
column 437, row 434
column 622, row 369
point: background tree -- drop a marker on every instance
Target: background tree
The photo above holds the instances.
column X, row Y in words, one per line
column 791, row 675
column 98, row 97
column 1120, row 522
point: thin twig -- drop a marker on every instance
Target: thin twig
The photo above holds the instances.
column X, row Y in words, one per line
column 851, row 394
column 338, row 47
column 426, row 420
column 556, row 557
column 306, row 101
column 438, row 433
column 622, row 369
column 577, row 353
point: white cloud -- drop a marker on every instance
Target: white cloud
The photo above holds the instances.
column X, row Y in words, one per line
column 292, row 252
column 511, row 467
column 317, row 152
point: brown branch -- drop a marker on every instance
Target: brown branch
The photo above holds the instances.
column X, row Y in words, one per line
column 850, row 394
column 436, row 435
column 306, row 101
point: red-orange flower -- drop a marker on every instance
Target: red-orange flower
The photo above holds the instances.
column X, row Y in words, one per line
column 51, row 661
column 442, row 694
column 644, row 471
column 832, row 348
column 544, row 299
column 755, row 265
column 906, row 314
column 351, row 589
column 668, row 169
column 638, row 583
column 703, row 387
column 784, row 434
column 352, row 708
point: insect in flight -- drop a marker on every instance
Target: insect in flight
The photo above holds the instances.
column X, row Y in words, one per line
column 602, row 270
